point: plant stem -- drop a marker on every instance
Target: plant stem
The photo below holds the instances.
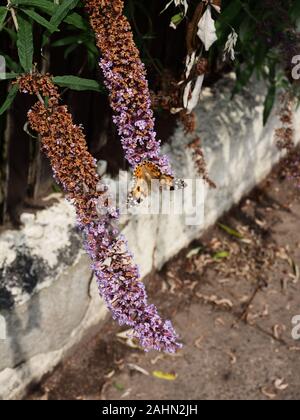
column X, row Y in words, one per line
column 40, row 98
column 13, row 14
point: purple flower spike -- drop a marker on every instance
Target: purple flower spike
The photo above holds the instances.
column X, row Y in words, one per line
column 125, row 78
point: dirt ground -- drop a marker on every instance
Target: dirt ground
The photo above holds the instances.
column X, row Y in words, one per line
column 231, row 296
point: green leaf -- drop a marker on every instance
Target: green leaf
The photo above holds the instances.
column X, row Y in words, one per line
column 41, row 20
column 69, row 50
column 72, row 39
column 77, row 21
column 12, row 33
column 11, row 64
column 91, row 48
column 230, row 231
column 8, row 76
column 92, row 60
column 25, row 43
column 269, row 102
column 230, row 12
column 220, row 255
column 260, row 55
column 78, row 83
column 246, row 30
column 50, row 8
column 295, row 11
column 45, row 5
column 62, row 11
column 3, row 14
column 119, row 386
column 9, row 100
column 76, row 40
column 177, row 19
column 244, row 74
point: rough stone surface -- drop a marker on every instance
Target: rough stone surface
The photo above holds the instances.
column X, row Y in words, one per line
column 46, row 295
column 33, row 256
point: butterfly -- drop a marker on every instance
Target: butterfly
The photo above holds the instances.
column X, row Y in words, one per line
column 143, row 175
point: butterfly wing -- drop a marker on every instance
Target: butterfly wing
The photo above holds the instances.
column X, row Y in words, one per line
column 140, row 191
column 166, row 182
column 143, row 176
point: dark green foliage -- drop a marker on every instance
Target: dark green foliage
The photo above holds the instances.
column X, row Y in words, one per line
column 266, row 44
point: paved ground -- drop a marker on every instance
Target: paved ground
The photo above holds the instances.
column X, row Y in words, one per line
column 232, row 296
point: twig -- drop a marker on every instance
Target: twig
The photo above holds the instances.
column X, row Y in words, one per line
column 243, row 316
column 40, row 98
column 192, row 28
column 269, row 334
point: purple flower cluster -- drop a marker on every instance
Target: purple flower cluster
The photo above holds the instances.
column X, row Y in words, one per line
column 135, row 122
column 125, row 78
column 119, row 283
column 75, row 169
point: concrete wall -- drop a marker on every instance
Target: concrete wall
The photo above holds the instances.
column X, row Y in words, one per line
column 48, row 298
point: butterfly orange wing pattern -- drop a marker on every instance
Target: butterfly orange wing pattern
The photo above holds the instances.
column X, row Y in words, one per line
column 143, row 175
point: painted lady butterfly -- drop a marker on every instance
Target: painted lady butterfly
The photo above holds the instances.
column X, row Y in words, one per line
column 143, row 175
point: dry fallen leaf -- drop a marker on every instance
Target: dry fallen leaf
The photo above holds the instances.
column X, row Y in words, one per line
column 133, row 366
column 44, row 397
column 219, row 321
column 194, row 94
column 191, row 60
column 120, row 363
column 224, row 302
column 104, row 388
column 126, row 393
column 110, row 374
column 296, row 271
column 215, row 300
column 198, row 342
column 124, row 338
column 157, row 358
column 53, row 196
column 233, row 358
column 280, row 384
column 207, row 30
column 268, row 393
column 278, row 331
column 265, row 311
column 186, row 94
